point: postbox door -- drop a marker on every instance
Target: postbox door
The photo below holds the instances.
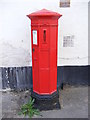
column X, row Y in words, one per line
column 35, row 60
column 44, row 60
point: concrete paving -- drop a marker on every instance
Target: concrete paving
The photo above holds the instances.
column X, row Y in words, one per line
column 73, row 100
column 74, row 104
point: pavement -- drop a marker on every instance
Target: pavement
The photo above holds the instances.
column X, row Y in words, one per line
column 73, row 101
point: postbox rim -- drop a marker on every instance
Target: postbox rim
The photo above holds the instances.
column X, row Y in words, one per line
column 44, row 13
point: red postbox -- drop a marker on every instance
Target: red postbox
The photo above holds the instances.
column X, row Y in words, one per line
column 44, row 37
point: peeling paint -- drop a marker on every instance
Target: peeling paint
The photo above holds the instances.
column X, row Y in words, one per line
column 12, row 56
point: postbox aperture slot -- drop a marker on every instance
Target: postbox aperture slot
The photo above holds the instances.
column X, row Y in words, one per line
column 44, row 36
column 35, row 37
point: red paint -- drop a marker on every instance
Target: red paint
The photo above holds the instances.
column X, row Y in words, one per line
column 44, row 56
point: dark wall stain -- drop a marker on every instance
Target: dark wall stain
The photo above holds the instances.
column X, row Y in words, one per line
column 20, row 78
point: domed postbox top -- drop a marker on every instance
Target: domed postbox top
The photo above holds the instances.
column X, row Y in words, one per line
column 44, row 13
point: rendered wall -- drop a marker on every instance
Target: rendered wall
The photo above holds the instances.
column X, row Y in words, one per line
column 15, row 42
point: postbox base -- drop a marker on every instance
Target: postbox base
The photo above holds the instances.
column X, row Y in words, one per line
column 46, row 102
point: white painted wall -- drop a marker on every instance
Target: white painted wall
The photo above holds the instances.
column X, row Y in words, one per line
column 15, row 42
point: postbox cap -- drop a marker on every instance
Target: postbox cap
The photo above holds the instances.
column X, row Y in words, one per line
column 44, row 13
